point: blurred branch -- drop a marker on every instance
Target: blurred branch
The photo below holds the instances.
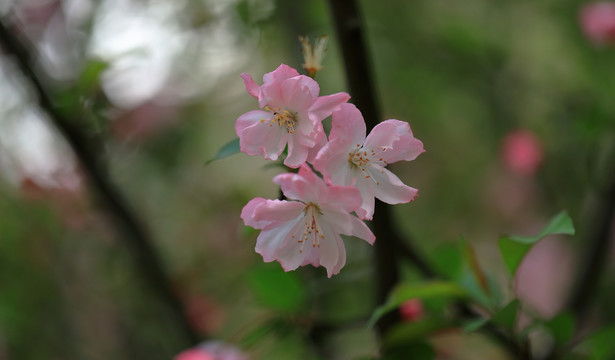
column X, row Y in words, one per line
column 347, row 23
column 592, row 266
column 123, row 217
column 348, row 27
column 596, row 255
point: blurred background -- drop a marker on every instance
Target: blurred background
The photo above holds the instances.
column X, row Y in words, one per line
column 513, row 101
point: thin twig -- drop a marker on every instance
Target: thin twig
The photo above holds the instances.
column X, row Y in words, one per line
column 123, row 217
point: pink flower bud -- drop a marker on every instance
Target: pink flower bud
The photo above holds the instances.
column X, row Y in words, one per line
column 598, row 22
column 522, row 152
column 194, row 354
column 411, row 310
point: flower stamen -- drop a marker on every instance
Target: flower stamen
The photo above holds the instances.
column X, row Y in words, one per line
column 283, row 118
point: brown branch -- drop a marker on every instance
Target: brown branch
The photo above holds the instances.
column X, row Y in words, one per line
column 358, row 75
column 120, row 213
column 389, row 243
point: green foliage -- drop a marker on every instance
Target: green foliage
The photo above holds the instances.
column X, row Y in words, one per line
column 279, row 290
column 414, row 331
column 230, row 148
column 600, row 345
column 89, row 79
column 415, row 350
column 505, row 317
column 561, row 327
column 514, row 247
column 424, row 290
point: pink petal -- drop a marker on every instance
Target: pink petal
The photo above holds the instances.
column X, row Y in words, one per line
column 309, row 129
column 310, row 84
column 297, row 97
column 344, row 223
column 280, row 74
column 348, row 125
column 406, row 147
column 250, row 118
column 366, row 188
column 391, row 189
column 271, row 95
column 325, row 105
column 193, row 354
column 303, row 186
column 290, row 255
column 331, row 250
column 251, row 86
column 360, row 230
column 270, row 241
column 332, row 162
column 247, row 213
column 343, row 197
column 273, row 213
column 382, row 135
column 297, row 153
column 320, row 143
column 262, row 139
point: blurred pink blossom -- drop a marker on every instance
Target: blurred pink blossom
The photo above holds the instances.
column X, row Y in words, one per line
column 522, row 152
column 351, row 159
column 212, row 350
column 194, row 354
column 306, row 230
column 598, row 22
column 411, row 310
column 544, row 276
column 292, row 114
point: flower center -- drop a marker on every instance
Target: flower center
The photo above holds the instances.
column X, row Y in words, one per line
column 311, row 229
column 283, row 118
column 361, row 158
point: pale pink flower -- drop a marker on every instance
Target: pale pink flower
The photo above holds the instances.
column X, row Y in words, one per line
column 598, row 22
column 212, row 350
column 193, row 354
column 292, row 114
column 351, row 159
column 306, row 230
column 522, row 152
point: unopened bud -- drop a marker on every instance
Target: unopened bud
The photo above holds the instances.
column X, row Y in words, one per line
column 313, row 54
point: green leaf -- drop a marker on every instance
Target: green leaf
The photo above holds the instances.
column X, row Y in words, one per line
column 416, row 350
column 424, row 290
column 602, row 344
column 447, row 260
column 278, row 289
column 475, row 324
column 514, row 247
column 89, row 79
column 507, row 316
column 230, row 148
column 561, row 327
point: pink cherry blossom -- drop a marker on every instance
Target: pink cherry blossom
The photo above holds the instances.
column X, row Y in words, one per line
column 598, row 22
column 351, row 159
column 212, row 350
column 522, row 152
column 292, row 115
column 307, row 229
column 194, row 354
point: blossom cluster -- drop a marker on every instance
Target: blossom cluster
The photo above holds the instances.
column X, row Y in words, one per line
column 306, row 228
